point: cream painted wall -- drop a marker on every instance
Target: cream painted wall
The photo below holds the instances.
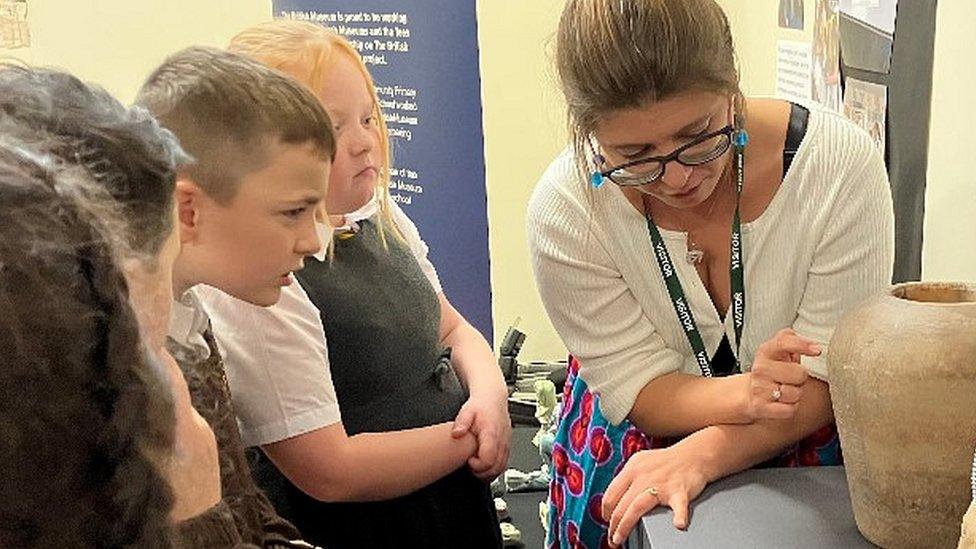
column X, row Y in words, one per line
column 731, row 9
column 949, row 251
column 755, row 31
column 117, row 42
column 524, row 130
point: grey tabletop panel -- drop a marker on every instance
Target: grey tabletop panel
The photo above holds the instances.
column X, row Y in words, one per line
column 806, row 507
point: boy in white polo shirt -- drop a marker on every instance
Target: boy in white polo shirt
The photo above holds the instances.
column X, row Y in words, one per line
column 262, row 149
column 247, row 210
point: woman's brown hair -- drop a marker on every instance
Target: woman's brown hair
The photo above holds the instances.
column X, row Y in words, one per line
column 620, row 54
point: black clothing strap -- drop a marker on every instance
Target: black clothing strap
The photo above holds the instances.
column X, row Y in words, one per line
column 799, row 116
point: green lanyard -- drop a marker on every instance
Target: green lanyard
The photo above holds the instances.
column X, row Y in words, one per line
column 736, row 275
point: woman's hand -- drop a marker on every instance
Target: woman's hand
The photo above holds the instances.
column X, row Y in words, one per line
column 776, row 379
column 671, row 476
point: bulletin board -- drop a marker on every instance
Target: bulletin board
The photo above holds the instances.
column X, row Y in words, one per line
column 908, row 79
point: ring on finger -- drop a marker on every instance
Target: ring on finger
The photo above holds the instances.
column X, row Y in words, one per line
column 778, row 392
column 652, row 491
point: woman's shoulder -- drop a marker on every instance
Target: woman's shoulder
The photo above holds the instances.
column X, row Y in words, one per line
column 837, row 169
column 832, row 135
column 559, row 188
column 835, row 153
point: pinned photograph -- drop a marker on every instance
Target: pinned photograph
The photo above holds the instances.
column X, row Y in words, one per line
column 791, row 14
column 826, row 55
column 867, row 31
column 14, row 32
column 866, row 104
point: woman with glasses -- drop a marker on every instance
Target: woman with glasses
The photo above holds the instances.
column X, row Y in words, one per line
column 694, row 250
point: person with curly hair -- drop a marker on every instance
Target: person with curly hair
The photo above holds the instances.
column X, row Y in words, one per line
column 86, row 411
column 128, row 165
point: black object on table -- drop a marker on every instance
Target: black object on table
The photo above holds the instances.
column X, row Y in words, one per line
column 806, row 507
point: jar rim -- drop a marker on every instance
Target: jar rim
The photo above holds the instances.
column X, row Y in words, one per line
column 948, row 294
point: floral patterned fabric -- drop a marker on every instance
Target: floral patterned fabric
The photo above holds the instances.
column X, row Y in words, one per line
column 588, row 452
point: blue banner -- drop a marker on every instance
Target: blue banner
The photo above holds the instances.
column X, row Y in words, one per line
column 423, row 55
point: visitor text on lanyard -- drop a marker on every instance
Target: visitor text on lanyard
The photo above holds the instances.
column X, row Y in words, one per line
column 736, row 275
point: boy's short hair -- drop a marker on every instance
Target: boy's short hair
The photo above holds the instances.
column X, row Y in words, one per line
column 123, row 150
column 226, row 108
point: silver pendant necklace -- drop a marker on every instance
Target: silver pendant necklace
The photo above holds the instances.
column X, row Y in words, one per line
column 696, row 255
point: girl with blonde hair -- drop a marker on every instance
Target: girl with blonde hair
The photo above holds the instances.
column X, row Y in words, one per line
column 308, row 52
column 367, row 336
column 694, row 261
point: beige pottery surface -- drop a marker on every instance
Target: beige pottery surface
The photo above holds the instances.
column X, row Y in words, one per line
column 902, row 370
column 967, row 537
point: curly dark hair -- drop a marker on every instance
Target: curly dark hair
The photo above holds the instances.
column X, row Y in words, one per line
column 123, row 149
column 84, row 410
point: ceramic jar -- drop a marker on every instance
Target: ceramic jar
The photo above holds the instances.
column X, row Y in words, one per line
column 902, row 369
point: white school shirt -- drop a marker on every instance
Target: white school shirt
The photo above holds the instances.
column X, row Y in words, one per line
column 187, row 323
column 824, row 243
column 276, row 358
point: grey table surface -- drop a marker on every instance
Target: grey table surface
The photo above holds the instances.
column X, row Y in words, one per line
column 806, row 507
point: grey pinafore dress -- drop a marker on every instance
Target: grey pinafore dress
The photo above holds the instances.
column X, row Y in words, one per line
column 382, row 318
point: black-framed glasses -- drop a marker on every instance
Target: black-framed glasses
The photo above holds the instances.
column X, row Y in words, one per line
column 648, row 170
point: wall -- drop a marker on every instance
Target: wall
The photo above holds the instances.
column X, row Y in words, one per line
column 524, row 130
column 949, row 250
column 755, row 29
column 117, row 42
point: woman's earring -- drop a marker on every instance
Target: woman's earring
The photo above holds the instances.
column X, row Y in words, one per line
column 741, row 138
column 597, row 179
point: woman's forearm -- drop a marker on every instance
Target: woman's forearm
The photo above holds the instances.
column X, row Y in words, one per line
column 677, row 404
column 728, row 449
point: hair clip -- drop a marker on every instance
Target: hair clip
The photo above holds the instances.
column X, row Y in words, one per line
column 741, row 138
column 597, row 180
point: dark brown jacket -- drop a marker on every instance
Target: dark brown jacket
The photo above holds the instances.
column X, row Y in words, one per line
column 244, row 518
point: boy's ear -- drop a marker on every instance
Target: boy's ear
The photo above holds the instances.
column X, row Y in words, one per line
column 189, row 198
